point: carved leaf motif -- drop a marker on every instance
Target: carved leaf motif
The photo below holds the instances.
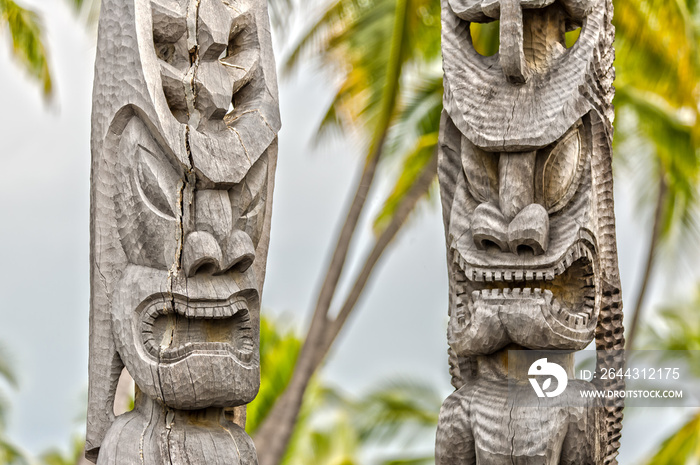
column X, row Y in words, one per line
column 248, row 199
column 560, row 169
column 157, row 184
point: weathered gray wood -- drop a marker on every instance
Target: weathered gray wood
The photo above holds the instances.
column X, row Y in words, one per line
column 185, row 120
column 526, row 186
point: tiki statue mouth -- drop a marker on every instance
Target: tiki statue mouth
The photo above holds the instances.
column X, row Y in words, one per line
column 173, row 329
column 495, row 307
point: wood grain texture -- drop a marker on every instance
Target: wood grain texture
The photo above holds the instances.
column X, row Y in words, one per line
column 526, row 184
column 184, row 127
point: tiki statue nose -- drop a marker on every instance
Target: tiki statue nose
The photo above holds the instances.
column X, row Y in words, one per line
column 526, row 234
column 517, row 224
column 201, row 253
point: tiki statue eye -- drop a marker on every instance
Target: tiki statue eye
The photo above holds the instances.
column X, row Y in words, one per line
column 561, row 170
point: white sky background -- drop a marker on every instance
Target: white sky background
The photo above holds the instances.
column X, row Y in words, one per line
column 398, row 328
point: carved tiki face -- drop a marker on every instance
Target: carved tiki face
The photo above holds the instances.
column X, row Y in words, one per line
column 523, row 132
column 184, row 148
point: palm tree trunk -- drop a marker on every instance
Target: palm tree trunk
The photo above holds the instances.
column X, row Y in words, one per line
column 419, row 188
column 651, row 254
column 275, row 432
column 273, row 435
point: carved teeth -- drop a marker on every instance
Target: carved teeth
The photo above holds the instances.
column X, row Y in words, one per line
column 512, row 293
column 560, row 268
column 241, row 344
column 556, row 306
column 534, row 286
column 567, row 260
column 194, row 310
column 470, row 273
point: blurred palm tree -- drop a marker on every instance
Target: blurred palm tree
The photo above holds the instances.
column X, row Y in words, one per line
column 675, row 332
column 386, row 56
column 25, row 31
column 335, row 429
column 10, row 454
column 27, row 36
column 74, row 455
column 658, row 125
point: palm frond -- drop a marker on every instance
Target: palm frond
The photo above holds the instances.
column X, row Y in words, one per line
column 657, row 44
column 58, row 457
column 28, row 48
column 400, row 409
column 682, row 447
column 427, row 460
column 414, row 164
column 672, row 152
column 366, row 46
column 676, row 330
column 279, row 350
column 11, row 454
column 413, row 138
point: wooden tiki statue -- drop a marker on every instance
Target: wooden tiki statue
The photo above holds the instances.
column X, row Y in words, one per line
column 184, row 146
column 526, row 184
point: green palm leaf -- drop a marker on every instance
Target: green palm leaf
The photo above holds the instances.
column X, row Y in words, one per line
column 11, row 454
column 72, row 457
column 27, row 45
column 681, row 448
column 397, row 410
column 278, row 355
column 428, row 460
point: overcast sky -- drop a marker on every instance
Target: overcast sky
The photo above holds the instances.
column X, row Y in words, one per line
column 398, row 328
